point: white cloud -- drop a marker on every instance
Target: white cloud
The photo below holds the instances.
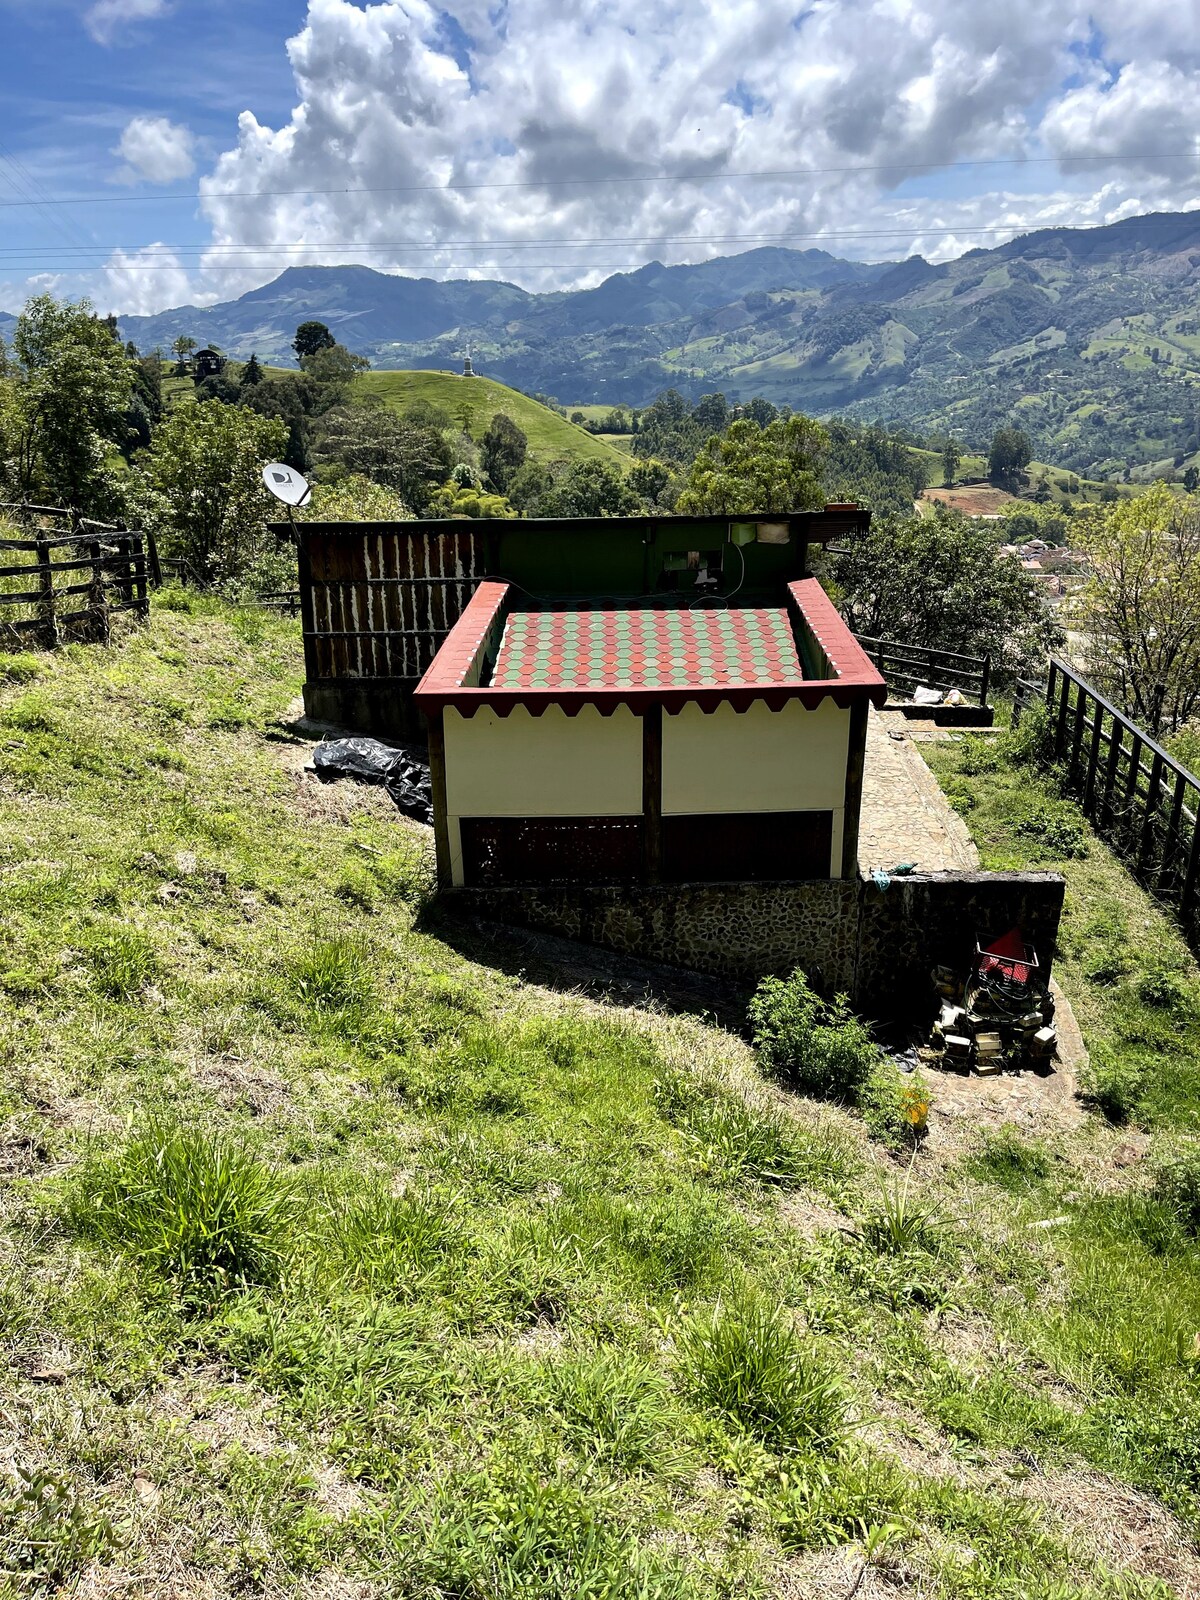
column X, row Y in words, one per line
column 141, row 281
column 393, row 99
column 157, row 149
column 108, row 18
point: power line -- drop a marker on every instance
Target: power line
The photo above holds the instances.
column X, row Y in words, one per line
column 60, row 254
column 611, row 178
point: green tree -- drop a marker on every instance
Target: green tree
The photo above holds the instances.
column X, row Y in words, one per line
column 252, row 373
column 200, row 490
column 369, row 439
column 951, row 461
column 292, row 397
column 502, row 450
column 66, row 398
column 311, row 337
column 1140, row 608
column 748, row 469
column 1191, row 479
column 354, row 499
column 528, row 489
column 941, row 580
column 334, row 369
column 654, row 484
column 184, row 349
column 1010, row 454
column 590, row 489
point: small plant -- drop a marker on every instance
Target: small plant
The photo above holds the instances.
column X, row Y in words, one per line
column 749, row 1363
column 736, row 1140
column 1177, row 1182
column 1059, row 834
column 895, row 1106
column 49, row 1532
column 123, row 961
column 189, row 1206
column 1162, row 987
column 333, row 974
column 814, row 1046
column 1031, row 742
column 617, row 1409
column 899, row 1224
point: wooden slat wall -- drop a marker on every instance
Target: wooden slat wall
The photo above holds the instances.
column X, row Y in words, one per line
column 384, row 602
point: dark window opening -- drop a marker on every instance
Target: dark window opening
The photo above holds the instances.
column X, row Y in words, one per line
column 530, row 850
column 747, row 846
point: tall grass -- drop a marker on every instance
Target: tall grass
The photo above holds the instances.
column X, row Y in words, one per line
column 189, row 1206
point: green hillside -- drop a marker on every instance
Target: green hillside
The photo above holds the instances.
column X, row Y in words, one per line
column 351, row 1253
column 551, row 437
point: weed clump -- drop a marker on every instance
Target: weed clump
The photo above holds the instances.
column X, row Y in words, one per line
column 333, row 975
column 1059, row 834
column 190, row 1207
column 49, row 1532
column 815, row 1046
column 1177, row 1184
column 1009, row 1161
column 749, row 1363
column 123, row 961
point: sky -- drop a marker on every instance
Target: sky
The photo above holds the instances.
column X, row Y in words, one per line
column 155, row 153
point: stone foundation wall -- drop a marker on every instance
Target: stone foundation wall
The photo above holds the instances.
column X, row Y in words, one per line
column 876, row 945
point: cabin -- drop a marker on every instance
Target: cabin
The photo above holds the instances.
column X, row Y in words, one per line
column 681, row 740
column 207, row 364
column 379, row 599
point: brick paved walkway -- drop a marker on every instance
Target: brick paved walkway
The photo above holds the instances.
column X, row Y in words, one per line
column 905, row 815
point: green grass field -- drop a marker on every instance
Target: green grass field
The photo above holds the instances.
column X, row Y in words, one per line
column 551, row 437
column 343, row 1254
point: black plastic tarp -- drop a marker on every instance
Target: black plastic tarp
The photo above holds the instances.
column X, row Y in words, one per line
column 404, row 773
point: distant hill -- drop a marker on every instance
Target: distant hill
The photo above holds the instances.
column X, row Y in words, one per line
column 477, row 400
column 1089, row 338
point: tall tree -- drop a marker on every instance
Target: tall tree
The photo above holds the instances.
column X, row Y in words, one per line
column 200, row 489
column 748, row 469
column 590, row 489
column 1140, row 608
column 941, row 580
column 184, row 348
column 65, row 405
column 311, row 337
column 252, row 372
column 951, row 461
column 1010, row 454
column 502, row 451
column 374, row 442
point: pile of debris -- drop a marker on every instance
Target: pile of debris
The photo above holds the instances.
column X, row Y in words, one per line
column 1001, row 1016
column 403, row 772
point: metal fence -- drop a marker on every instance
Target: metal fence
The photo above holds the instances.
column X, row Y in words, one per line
column 66, row 579
column 1141, row 801
column 912, row 666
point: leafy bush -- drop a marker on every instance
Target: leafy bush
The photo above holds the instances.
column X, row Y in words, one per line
column 749, row 1363
column 814, row 1046
column 1161, row 987
column 190, row 1206
column 895, row 1106
column 1031, row 742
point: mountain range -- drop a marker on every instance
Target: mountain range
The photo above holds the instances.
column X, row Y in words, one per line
column 1089, row 338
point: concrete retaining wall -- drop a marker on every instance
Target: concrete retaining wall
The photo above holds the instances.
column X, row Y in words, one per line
column 876, row 945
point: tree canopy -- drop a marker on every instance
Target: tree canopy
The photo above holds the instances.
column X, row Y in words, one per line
column 502, row 450
column 749, row 468
column 310, row 338
column 1010, row 454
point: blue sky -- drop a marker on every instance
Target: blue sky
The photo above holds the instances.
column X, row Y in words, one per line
column 545, row 143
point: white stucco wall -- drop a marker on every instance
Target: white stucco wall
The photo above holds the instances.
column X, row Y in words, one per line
column 547, row 766
column 758, row 760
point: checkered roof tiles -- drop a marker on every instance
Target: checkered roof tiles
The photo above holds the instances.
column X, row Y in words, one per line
column 672, row 648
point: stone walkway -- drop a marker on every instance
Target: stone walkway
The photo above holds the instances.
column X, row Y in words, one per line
column 905, row 815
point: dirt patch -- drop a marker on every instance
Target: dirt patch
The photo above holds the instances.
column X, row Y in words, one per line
column 1121, row 1527
column 978, row 500
column 341, row 802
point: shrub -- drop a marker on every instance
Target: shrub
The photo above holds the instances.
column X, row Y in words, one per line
column 817, row 1047
column 899, row 1224
column 749, row 1363
column 1031, row 742
column 1161, row 987
column 895, row 1106
column 190, row 1206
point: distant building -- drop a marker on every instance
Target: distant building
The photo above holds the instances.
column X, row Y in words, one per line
column 468, row 370
column 207, row 364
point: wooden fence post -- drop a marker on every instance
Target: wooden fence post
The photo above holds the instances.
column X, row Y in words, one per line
column 97, row 599
column 48, row 632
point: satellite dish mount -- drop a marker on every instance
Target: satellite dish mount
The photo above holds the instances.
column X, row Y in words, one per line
column 286, row 484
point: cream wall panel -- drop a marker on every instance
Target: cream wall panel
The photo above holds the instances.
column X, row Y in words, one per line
column 755, row 760
column 547, row 766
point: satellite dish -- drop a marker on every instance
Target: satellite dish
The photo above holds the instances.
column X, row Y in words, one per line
column 286, row 484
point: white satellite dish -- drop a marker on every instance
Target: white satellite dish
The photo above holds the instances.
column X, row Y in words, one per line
column 286, row 484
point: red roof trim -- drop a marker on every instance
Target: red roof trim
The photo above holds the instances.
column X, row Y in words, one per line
column 443, row 685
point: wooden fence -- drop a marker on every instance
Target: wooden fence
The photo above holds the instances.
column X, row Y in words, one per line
column 910, row 666
column 1139, row 799
column 69, row 577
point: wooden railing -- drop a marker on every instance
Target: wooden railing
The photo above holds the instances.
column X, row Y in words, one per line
column 68, row 578
column 911, row 666
column 1142, row 801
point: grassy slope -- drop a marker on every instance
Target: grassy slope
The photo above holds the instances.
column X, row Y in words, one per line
column 551, row 437
column 466, row 1359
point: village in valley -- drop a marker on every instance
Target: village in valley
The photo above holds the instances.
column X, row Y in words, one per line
column 599, row 804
